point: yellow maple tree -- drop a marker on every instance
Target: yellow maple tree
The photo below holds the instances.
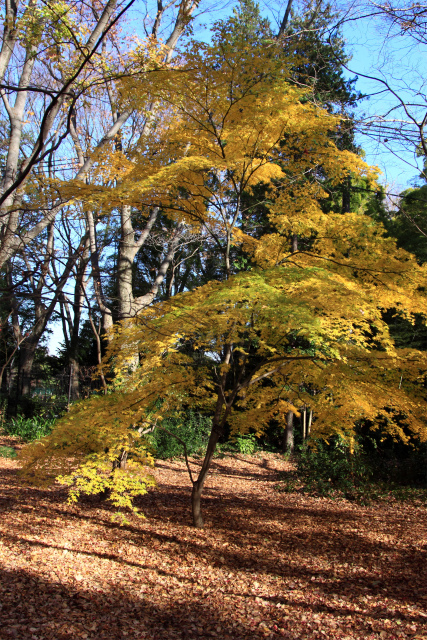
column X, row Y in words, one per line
column 254, row 346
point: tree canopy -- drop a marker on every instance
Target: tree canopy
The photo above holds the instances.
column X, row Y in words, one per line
column 301, row 325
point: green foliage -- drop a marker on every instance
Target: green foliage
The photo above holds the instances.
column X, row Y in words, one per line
column 395, row 462
column 246, row 444
column 41, row 407
column 193, row 428
column 7, row 452
column 331, row 468
column 408, row 224
column 246, row 26
column 29, row 429
column 361, row 471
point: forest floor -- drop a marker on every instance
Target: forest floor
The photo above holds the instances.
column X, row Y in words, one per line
column 267, row 564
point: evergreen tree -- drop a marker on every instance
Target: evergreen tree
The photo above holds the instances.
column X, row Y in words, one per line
column 408, row 223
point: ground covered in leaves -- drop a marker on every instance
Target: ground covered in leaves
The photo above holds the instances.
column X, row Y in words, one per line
column 268, row 564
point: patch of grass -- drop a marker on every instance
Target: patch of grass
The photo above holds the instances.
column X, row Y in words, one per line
column 400, row 493
column 7, row 452
column 29, row 429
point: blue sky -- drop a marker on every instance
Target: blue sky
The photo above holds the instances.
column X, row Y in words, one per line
column 397, row 61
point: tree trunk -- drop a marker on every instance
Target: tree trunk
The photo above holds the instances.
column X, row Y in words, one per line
column 310, row 419
column 199, row 483
column 97, row 334
column 304, row 423
column 218, row 424
column 121, row 461
column 26, row 358
column 288, row 436
column 74, row 389
column 129, row 306
column 346, row 195
column 106, row 314
column 127, row 252
column 74, row 327
column 196, row 496
column 12, row 377
column 294, row 243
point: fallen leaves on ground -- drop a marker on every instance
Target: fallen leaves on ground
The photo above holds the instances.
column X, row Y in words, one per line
column 267, row 564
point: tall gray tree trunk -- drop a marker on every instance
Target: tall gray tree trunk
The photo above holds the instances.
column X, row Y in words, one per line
column 73, row 357
column 288, row 436
column 10, row 34
column 130, row 306
column 106, row 313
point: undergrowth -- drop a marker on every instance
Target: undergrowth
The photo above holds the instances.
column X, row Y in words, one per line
column 29, row 429
column 334, row 470
column 191, row 428
column 7, row 452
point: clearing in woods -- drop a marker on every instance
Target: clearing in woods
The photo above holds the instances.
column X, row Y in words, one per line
column 266, row 565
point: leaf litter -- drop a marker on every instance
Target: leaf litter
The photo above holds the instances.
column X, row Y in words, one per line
column 266, row 565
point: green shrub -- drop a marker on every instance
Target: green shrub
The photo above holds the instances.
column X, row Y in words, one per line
column 405, row 467
column 7, row 452
column 40, row 407
column 29, row 429
column 193, row 428
column 332, row 468
column 246, row 445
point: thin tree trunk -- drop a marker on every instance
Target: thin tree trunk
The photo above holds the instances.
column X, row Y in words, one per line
column 218, row 423
column 288, row 436
column 304, row 423
column 73, row 351
column 106, row 314
column 310, row 418
column 285, row 20
column 198, row 485
column 42, row 313
column 96, row 333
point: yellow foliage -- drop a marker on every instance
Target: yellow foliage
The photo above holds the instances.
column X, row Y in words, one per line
column 85, row 456
column 301, row 327
column 224, row 123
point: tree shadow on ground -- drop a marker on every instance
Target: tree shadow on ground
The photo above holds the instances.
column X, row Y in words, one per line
column 308, row 546
column 36, row 608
